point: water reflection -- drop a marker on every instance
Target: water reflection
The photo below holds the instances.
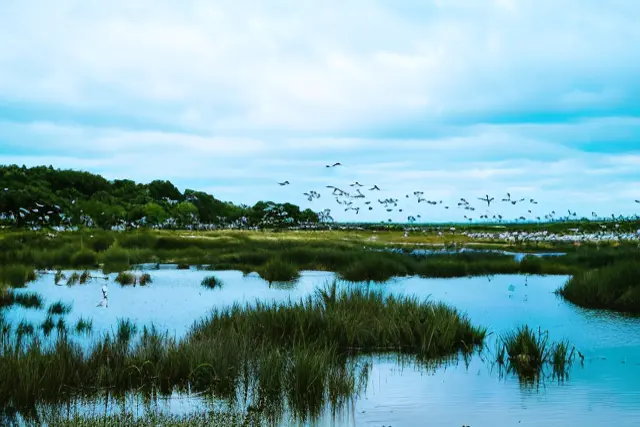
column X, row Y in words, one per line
column 472, row 391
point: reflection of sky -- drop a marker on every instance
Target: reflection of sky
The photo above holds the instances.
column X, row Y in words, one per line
column 604, row 391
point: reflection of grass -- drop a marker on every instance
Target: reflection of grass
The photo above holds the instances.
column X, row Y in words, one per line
column 206, row 419
column 293, row 355
column 526, row 353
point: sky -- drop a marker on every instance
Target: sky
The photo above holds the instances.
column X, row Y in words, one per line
column 455, row 98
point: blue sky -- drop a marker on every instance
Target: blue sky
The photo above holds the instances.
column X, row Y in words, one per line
column 454, row 98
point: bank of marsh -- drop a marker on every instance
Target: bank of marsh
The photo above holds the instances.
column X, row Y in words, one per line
column 615, row 287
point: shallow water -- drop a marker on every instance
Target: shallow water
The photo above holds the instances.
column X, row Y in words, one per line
column 605, row 391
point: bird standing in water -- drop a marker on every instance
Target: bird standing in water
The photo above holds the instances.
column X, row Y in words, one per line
column 104, row 301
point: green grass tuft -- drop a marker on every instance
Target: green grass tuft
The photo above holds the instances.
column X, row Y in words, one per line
column 144, row 279
column 59, row 308
column 212, row 282
column 526, row 352
column 126, row 278
column 278, row 270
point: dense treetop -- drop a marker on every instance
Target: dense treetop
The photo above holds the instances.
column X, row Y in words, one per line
column 44, row 196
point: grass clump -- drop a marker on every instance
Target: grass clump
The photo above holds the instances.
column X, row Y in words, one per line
column 374, row 267
column 59, row 276
column 144, row 279
column 16, row 276
column 278, row 270
column 526, row 352
column 126, row 278
column 24, row 329
column 84, row 325
column 212, row 282
column 73, row 279
column 24, row 299
column 59, row 308
column 615, row 287
column 47, row 326
column 293, row 355
column 85, row 277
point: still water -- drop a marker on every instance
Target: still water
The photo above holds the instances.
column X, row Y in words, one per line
column 605, row 390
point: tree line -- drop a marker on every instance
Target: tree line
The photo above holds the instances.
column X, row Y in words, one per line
column 46, row 197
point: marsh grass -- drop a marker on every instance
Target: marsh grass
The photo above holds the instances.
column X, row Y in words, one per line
column 85, row 277
column 212, row 282
column 74, row 279
column 349, row 253
column 24, row 299
column 59, row 308
column 84, row 258
column 59, row 276
column 24, row 329
column 278, row 270
column 125, row 331
column 16, row 276
column 61, row 326
column 126, row 278
column 615, row 287
column 47, row 326
column 296, row 355
column 115, row 259
column 526, row 353
column 144, row 279
column 84, row 326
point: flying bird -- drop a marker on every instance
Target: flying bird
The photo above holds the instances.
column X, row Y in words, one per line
column 486, row 199
column 334, row 165
column 283, row 183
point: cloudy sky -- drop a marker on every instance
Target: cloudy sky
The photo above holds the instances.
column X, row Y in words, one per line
column 456, row 98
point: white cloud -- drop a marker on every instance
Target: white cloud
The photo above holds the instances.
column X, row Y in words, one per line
column 236, row 95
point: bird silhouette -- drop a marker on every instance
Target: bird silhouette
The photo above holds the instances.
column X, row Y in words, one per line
column 486, row 199
column 284, row 183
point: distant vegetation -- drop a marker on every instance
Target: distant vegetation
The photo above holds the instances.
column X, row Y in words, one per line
column 47, row 197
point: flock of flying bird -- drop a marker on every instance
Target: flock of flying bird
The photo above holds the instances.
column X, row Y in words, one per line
column 358, row 197
column 354, row 199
